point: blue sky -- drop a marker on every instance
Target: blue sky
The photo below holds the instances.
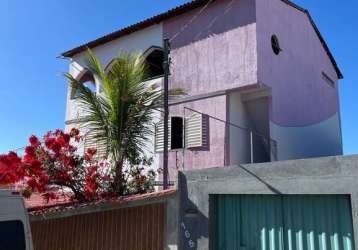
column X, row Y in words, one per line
column 34, row 33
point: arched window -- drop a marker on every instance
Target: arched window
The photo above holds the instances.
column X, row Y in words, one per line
column 154, row 57
column 85, row 78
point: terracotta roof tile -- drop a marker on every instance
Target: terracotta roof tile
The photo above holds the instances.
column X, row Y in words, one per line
column 36, row 202
column 37, row 206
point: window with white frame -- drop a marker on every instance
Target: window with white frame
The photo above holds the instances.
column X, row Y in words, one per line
column 191, row 132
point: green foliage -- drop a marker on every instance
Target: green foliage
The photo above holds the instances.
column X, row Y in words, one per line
column 138, row 178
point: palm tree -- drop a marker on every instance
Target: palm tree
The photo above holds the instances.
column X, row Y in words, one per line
column 121, row 118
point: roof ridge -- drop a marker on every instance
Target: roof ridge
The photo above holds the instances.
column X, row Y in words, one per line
column 180, row 10
column 137, row 26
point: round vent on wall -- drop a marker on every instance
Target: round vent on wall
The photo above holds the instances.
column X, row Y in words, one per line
column 275, row 45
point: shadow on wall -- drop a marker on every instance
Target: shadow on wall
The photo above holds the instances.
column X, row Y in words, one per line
column 193, row 224
column 191, row 221
column 219, row 17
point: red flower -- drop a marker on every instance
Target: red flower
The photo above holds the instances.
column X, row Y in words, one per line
column 66, row 138
column 10, row 168
column 49, row 141
column 90, row 153
column 58, row 132
column 56, row 147
column 34, row 141
column 32, row 183
column 62, row 142
column 30, row 151
column 92, row 170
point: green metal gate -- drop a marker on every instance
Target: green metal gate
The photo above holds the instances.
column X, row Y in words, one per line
column 282, row 222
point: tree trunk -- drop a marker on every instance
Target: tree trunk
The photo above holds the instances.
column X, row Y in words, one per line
column 118, row 179
column 79, row 196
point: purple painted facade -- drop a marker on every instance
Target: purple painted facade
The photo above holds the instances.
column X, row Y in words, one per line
column 217, row 51
column 304, row 108
column 214, row 155
column 300, row 95
column 228, row 47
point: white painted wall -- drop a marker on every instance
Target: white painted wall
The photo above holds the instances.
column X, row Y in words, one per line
column 253, row 115
column 323, row 139
column 258, row 113
column 239, row 142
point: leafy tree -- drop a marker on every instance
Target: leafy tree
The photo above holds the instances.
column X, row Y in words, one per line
column 53, row 168
column 121, row 117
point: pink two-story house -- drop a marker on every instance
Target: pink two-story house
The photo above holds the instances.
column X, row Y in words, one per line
column 262, row 83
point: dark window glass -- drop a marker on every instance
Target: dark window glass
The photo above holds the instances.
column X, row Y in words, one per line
column 12, row 235
column 275, row 45
column 155, row 64
column 177, row 132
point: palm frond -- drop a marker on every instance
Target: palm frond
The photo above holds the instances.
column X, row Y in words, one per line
column 123, row 115
column 95, row 108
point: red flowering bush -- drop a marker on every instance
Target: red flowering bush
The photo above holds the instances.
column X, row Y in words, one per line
column 53, row 167
column 10, row 168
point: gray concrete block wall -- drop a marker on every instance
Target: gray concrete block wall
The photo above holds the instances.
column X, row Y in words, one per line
column 328, row 175
column 171, row 228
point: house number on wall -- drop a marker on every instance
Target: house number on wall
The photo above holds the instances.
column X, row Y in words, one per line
column 191, row 243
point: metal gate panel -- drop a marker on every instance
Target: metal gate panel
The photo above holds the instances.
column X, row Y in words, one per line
column 248, row 222
column 290, row 222
column 318, row 222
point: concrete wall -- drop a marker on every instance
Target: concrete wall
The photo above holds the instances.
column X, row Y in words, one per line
column 301, row 98
column 330, row 175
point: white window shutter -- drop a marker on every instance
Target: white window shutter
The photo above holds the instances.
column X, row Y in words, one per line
column 92, row 142
column 196, row 131
column 159, row 136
